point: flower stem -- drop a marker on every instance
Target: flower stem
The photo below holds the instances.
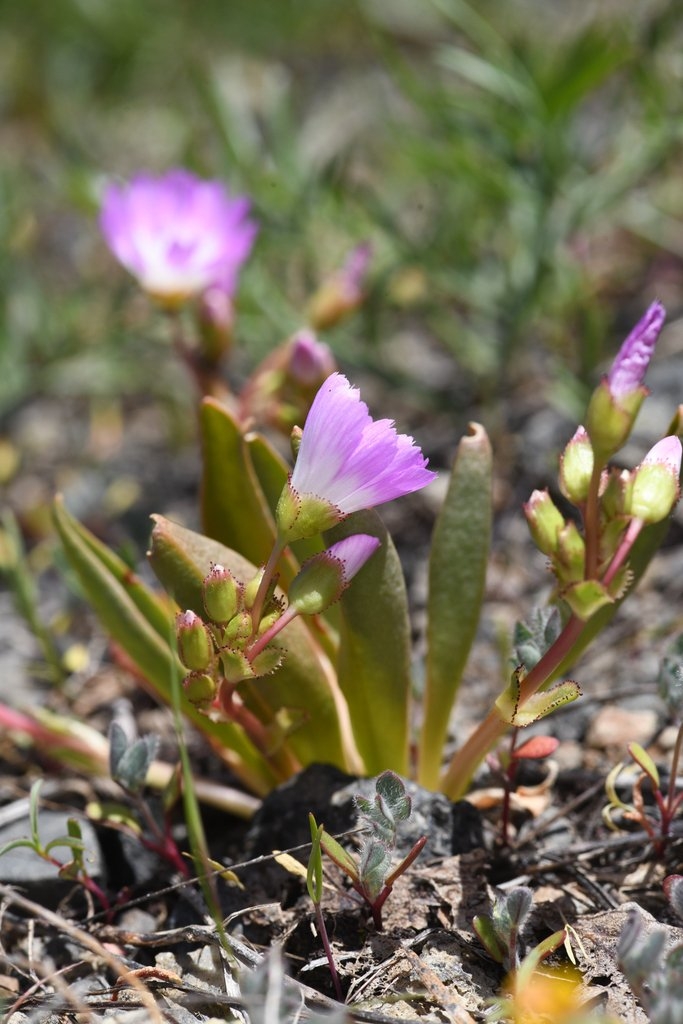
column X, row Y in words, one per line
column 625, row 545
column 268, row 572
column 465, row 761
column 592, row 523
column 262, row 642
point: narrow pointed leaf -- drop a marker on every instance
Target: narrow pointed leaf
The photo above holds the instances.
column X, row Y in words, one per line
column 235, row 510
column 374, row 650
column 153, row 607
column 457, row 575
column 181, row 558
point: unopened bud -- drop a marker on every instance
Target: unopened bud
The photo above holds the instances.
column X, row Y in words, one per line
column 324, row 577
column 194, row 643
column 216, row 320
column 545, row 521
column 239, row 628
column 655, row 488
column 221, row 593
column 309, row 361
column 609, row 420
column 570, row 555
column 576, row 467
column 341, row 293
column 200, row 689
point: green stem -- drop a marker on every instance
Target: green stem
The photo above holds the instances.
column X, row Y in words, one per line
column 465, row 761
column 592, row 523
column 268, row 572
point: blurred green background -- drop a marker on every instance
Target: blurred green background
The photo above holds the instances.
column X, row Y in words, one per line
column 516, row 166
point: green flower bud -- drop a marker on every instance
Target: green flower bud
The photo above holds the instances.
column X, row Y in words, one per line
column 545, row 521
column 324, row 577
column 576, row 467
column 238, row 629
column 609, row 420
column 655, row 488
column 570, row 556
column 221, row 593
column 195, row 646
column 200, row 689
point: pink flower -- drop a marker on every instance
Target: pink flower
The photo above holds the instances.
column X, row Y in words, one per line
column 632, row 360
column 177, row 234
column 350, row 460
column 324, row 577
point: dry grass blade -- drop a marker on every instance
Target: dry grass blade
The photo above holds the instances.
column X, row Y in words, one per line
column 88, row 942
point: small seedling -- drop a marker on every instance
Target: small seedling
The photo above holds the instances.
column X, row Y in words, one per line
column 314, row 883
column 654, row 972
column 506, row 765
column 74, row 869
column 129, row 763
column 371, row 875
column 666, row 803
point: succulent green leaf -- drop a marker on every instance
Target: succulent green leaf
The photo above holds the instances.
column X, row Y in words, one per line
column 341, row 858
column 643, row 759
column 489, row 938
column 181, row 558
column 236, row 511
column 74, row 535
column 457, row 574
column 374, row 650
column 124, row 615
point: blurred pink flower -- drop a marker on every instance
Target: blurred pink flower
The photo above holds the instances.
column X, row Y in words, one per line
column 350, row 460
column 632, row 360
column 178, row 234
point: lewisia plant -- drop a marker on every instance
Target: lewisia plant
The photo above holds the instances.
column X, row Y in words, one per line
column 288, row 613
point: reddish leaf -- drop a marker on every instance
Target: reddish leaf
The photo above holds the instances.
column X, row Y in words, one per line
column 536, row 748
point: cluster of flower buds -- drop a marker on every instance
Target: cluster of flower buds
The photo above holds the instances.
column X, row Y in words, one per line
column 236, row 640
column 217, row 647
column 614, row 505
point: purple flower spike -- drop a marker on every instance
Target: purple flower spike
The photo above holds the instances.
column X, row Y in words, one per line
column 632, row 360
column 350, row 460
column 178, row 234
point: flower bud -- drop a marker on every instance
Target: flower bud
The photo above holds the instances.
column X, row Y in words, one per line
column 239, row 628
column 221, row 593
column 309, row 361
column 342, row 292
column 324, row 577
column 200, row 689
column 615, row 402
column 216, row 320
column 576, row 467
column 570, row 554
column 545, row 521
column 655, row 482
column 194, row 643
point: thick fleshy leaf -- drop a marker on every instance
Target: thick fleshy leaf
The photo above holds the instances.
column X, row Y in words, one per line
column 106, row 583
column 374, row 650
column 303, row 685
column 235, row 510
column 457, row 574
